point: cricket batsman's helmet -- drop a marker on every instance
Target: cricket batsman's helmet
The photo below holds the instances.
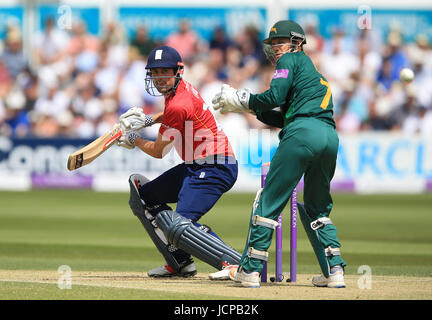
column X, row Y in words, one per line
column 163, row 57
column 286, row 29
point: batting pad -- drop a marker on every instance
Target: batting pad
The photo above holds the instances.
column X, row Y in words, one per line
column 147, row 220
column 184, row 235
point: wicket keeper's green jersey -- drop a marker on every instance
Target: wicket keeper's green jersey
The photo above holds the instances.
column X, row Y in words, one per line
column 298, row 89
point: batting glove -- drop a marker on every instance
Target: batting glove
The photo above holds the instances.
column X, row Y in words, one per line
column 232, row 100
column 127, row 140
column 135, row 119
column 135, row 111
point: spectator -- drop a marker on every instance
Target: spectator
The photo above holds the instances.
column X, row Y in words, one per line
column 419, row 123
column 375, row 120
column 216, row 62
column 211, row 85
column 109, row 116
column 113, row 35
column 369, row 61
column 233, row 70
column 45, row 126
column 254, row 45
column 385, row 74
column 5, row 80
column 386, row 102
column 220, row 41
column 81, row 40
column 408, row 110
column 65, row 120
column 185, row 41
column 106, row 76
column 50, row 44
column 338, row 65
column 115, row 42
column 396, row 53
column 250, row 61
column 373, row 37
column 54, row 103
column 87, row 103
column 83, row 48
column 142, row 42
column 16, row 119
column 313, row 35
column 358, row 95
column 419, row 47
column 423, row 77
column 394, row 60
column 347, row 120
column 132, row 92
column 29, row 83
column 13, row 55
column 311, row 49
column 423, row 45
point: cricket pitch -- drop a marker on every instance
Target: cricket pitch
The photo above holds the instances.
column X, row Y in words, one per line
column 382, row 287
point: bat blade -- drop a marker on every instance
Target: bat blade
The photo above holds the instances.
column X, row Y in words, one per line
column 94, row 149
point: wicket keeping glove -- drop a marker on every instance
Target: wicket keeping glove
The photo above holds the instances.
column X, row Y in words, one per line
column 232, row 100
column 135, row 119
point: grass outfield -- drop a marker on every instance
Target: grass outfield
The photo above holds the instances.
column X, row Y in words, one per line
column 89, row 231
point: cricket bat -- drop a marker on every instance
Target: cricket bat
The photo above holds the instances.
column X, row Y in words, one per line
column 94, row 149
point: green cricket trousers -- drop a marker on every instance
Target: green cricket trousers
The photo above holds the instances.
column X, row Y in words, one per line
column 308, row 147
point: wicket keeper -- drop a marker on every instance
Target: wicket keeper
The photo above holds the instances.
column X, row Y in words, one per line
column 209, row 170
column 308, row 146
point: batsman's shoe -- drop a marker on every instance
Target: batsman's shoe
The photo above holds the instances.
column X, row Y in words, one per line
column 245, row 279
column 224, row 274
column 166, row 271
column 335, row 280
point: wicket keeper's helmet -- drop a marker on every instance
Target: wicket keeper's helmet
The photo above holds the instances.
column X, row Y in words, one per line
column 286, row 29
column 163, row 57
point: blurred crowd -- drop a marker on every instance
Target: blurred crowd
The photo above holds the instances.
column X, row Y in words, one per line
column 71, row 83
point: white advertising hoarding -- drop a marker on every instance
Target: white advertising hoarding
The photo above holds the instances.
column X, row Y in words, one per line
column 367, row 163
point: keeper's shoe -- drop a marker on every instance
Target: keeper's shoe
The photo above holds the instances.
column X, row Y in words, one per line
column 166, row 271
column 244, row 279
column 335, row 280
column 223, row 274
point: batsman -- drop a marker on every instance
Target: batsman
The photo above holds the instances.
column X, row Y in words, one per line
column 308, row 146
column 209, row 169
